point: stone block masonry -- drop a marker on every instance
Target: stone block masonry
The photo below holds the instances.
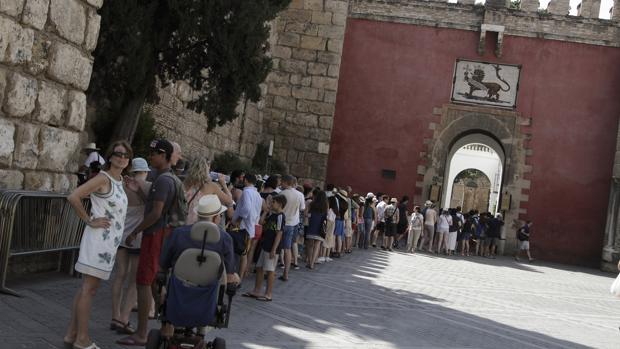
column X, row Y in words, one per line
column 300, row 98
column 188, row 128
column 45, row 68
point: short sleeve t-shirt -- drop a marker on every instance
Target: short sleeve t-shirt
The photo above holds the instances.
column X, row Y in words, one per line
column 274, row 223
column 380, row 210
column 163, row 189
column 295, row 202
column 92, row 157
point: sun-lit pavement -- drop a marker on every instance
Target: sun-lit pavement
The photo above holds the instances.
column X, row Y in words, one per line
column 373, row 299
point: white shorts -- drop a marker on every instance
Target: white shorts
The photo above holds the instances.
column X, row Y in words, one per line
column 268, row 264
column 524, row 245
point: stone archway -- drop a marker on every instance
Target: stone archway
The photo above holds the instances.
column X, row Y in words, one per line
column 497, row 128
column 483, row 141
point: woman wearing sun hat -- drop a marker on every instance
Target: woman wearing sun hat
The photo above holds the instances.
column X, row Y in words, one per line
column 136, row 188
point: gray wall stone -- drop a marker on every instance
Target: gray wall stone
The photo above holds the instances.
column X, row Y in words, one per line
column 11, row 179
column 12, row 7
column 35, row 13
column 69, row 66
column 69, row 19
column 7, row 144
column 21, row 95
column 45, row 68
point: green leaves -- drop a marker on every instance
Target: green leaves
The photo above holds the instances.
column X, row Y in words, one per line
column 217, row 46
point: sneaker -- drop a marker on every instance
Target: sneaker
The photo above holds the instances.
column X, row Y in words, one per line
column 295, row 266
column 320, row 260
column 327, row 259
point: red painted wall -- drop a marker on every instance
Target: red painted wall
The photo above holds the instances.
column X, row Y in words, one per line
column 393, row 75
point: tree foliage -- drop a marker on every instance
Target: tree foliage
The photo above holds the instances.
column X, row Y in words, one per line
column 219, row 47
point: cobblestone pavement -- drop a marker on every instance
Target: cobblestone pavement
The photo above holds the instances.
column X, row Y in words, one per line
column 373, row 299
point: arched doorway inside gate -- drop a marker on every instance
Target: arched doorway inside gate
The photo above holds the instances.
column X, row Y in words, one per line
column 474, row 170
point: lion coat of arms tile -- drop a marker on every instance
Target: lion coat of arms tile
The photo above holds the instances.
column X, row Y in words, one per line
column 486, row 83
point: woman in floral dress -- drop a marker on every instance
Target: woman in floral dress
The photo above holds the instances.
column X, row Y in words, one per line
column 102, row 236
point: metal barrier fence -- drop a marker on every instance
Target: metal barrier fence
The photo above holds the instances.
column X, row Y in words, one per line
column 35, row 222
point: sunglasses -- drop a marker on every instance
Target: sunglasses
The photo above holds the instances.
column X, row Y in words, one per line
column 121, row 155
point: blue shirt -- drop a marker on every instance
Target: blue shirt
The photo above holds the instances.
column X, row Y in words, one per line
column 180, row 241
column 248, row 210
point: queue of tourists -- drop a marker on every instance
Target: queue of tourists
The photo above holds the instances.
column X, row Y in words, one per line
column 142, row 213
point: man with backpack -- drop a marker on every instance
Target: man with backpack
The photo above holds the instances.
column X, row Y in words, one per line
column 165, row 208
column 523, row 235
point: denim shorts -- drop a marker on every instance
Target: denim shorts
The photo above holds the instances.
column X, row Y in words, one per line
column 339, row 228
column 287, row 236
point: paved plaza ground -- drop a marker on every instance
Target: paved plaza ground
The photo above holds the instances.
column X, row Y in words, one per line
column 373, row 299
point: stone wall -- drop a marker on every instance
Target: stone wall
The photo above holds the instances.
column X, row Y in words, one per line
column 300, row 97
column 45, row 67
column 189, row 128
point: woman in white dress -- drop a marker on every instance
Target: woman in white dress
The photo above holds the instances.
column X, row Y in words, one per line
column 102, row 236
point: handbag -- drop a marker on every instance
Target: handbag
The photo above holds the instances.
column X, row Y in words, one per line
column 615, row 287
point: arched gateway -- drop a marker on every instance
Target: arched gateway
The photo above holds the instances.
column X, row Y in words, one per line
column 498, row 129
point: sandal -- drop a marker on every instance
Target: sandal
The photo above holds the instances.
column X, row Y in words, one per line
column 126, row 329
column 128, row 341
column 264, row 299
column 116, row 324
column 282, row 278
column 250, row 295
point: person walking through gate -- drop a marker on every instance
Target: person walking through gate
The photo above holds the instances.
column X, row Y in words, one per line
column 523, row 235
column 101, row 238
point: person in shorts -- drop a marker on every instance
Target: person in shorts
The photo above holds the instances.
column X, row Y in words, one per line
column 380, row 229
column 391, row 224
column 273, row 227
column 523, row 235
column 153, row 227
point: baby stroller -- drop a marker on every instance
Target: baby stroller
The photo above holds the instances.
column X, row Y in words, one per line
column 195, row 296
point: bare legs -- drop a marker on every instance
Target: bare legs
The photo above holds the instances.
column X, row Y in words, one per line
column 80, row 315
column 131, row 295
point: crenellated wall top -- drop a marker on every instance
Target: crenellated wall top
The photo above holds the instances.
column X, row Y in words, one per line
column 553, row 23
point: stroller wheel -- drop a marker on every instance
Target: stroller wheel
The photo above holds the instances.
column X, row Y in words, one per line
column 153, row 341
column 218, row 343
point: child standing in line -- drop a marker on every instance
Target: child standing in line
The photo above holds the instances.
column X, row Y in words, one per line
column 270, row 243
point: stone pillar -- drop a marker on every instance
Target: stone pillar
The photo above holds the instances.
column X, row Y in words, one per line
column 590, row 8
column 530, row 5
column 559, row 7
column 300, row 99
column 615, row 14
column 611, row 249
column 45, row 67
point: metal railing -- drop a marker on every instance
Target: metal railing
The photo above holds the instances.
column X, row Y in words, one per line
column 34, row 222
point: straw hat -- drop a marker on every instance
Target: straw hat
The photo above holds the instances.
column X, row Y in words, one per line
column 209, row 206
column 91, row 146
column 428, row 203
column 370, row 195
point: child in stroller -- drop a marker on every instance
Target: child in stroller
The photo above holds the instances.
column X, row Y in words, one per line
column 196, row 286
